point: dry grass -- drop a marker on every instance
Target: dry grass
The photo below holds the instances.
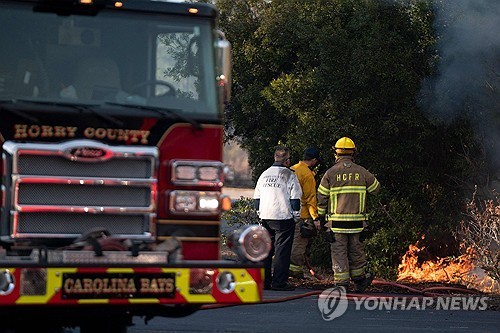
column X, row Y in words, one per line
column 481, row 233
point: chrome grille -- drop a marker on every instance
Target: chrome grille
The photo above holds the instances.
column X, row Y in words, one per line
column 58, row 195
column 83, row 195
column 76, row 224
column 61, row 166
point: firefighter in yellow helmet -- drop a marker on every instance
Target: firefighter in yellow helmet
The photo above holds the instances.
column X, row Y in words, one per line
column 341, row 203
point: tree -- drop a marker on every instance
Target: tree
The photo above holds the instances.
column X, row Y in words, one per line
column 309, row 72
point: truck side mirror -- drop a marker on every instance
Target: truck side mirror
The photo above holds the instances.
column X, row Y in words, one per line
column 224, row 66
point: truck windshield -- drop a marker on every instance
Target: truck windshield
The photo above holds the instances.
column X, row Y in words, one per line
column 116, row 56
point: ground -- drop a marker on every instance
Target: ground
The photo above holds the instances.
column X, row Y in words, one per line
column 389, row 288
column 394, row 288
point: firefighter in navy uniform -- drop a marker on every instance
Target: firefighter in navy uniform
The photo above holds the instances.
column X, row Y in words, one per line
column 341, row 201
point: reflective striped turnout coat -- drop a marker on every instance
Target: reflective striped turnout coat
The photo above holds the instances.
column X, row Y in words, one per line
column 342, row 195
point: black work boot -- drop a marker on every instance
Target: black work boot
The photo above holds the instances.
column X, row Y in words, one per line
column 343, row 284
column 363, row 283
column 286, row 287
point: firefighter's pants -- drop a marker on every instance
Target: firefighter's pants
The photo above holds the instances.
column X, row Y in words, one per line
column 299, row 249
column 348, row 258
column 281, row 232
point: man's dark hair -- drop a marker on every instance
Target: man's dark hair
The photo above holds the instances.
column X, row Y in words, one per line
column 311, row 153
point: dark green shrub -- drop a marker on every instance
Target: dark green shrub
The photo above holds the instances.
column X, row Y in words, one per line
column 391, row 230
column 242, row 213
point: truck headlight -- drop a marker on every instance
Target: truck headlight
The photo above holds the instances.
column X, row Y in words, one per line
column 251, row 243
column 208, row 173
column 195, row 202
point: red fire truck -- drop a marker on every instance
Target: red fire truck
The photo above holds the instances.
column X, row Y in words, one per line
column 111, row 130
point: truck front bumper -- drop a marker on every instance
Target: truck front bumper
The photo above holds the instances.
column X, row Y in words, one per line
column 135, row 286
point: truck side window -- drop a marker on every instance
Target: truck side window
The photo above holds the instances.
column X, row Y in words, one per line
column 176, row 62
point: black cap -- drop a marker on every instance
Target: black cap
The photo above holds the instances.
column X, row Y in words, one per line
column 311, row 153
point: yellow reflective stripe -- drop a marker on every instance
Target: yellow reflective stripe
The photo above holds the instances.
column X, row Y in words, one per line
column 321, row 211
column 373, row 186
column 341, row 276
column 120, row 270
column 143, row 300
column 348, row 189
column 333, row 202
column 347, row 231
column 246, row 287
column 357, row 272
column 346, row 217
column 323, row 190
column 362, row 198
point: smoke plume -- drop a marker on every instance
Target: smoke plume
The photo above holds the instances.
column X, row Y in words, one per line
column 467, row 82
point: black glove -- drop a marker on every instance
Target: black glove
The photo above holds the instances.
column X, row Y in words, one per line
column 329, row 236
column 307, row 229
column 327, row 232
column 363, row 235
column 322, row 220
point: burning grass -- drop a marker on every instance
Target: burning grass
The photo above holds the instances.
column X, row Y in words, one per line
column 478, row 266
column 459, row 270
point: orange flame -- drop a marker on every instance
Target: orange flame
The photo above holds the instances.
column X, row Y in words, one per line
column 457, row 270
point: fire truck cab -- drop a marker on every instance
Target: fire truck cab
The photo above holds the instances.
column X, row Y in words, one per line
column 111, row 131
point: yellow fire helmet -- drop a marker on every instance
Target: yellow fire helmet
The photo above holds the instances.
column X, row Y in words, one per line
column 344, row 146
